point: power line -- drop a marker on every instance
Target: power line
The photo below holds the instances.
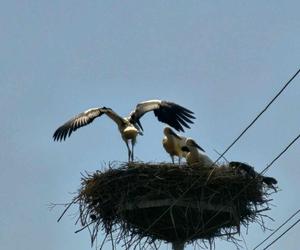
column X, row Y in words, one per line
column 227, row 149
column 256, row 118
column 278, row 156
column 282, row 234
column 278, row 228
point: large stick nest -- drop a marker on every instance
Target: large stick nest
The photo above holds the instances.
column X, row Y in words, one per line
column 171, row 203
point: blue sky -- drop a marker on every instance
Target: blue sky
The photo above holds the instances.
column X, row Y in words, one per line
column 224, row 60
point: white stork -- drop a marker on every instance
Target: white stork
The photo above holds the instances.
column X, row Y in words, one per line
column 173, row 143
column 196, row 154
column 167, row 112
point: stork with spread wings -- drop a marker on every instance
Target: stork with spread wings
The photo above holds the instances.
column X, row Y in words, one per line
column 170, row 113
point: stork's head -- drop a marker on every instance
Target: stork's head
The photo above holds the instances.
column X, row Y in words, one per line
column 169, row 132
column 190, row 144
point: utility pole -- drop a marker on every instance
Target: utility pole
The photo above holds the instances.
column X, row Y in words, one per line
column 178, row 245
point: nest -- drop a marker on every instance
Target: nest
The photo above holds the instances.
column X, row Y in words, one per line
column 171, row 203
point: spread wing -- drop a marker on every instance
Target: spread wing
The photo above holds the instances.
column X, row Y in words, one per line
column 83, row 119
column 170, row 113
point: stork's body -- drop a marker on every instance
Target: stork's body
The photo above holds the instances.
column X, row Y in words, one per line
column 129, row 134
column 173, row 143
column 129, row 127
column 196, row 155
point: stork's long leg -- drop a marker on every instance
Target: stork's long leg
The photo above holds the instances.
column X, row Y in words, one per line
column 172, row 157
column 129, row 151
column 133, row 141
column 179, row 160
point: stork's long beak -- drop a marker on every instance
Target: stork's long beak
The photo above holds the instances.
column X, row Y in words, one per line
column 185, row 149
column 200, row 148
column 197, row 146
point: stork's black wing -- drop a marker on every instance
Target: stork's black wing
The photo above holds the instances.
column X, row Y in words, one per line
column 170, row 113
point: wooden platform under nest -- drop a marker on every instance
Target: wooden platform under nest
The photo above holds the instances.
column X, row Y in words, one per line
column 171, row 203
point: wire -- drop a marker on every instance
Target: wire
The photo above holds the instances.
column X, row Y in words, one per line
column 227, row 149
column 282, row 234
column 277, row 229
column 278, row 156
column 256, row 118
column 263, row 171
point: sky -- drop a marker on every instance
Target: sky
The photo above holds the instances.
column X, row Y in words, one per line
column 222, row 59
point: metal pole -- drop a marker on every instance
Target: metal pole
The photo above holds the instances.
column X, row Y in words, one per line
column 178, row 245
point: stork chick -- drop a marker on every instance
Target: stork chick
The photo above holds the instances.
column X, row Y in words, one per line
column 196, row 154
column 173, row 143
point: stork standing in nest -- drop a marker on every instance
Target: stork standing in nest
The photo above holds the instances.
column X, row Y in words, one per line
column 195, row 154
column 173, row 143
column 170, row 113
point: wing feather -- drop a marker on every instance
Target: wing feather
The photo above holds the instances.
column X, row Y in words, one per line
column 183, row 122
column 76, row 122
column 170, row 113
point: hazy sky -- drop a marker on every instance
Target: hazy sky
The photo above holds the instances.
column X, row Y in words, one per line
column 222, row 59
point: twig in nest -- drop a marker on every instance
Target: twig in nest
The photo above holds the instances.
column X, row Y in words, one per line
column 68, row 206
column 79, row 230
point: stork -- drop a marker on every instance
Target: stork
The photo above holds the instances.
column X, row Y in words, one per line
column 248, row 170
column 196, row 154
column 173, row 143
column 130, row 127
